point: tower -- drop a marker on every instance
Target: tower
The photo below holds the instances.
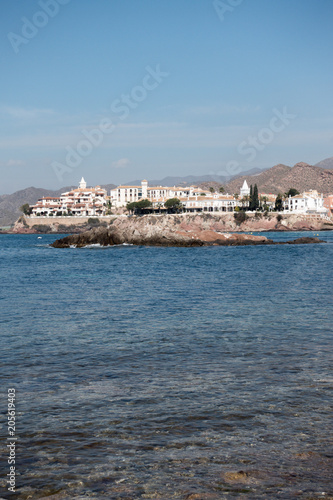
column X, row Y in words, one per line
column 245, row 190
column 144, row 185
column 82, row 184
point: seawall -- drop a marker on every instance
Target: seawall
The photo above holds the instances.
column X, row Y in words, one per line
column 225, row 222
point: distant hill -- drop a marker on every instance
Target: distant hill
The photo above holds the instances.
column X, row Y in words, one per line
column 108, row 187
column 326, row 164
column 179, row 181
column 280, row 178
column 10, row 203
column 191, row 180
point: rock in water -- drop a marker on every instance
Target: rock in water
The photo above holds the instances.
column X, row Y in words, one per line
column 162, row 231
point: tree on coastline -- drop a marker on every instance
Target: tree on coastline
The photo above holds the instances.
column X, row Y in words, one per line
column 138, row 207
column 109, row 207
column 291, row 192
column 130, row 207
column 25, row 209
column 279, row 203
column 245, row 201
column 263, row 202
column 254, row 198
column 256, row 203
column 240, row 216
column 174, row 205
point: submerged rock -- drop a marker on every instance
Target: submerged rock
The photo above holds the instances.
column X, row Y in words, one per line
column 305, row 239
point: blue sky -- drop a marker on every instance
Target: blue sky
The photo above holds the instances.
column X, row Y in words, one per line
column 117, row 90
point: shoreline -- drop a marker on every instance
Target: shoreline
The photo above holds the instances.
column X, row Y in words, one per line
column 19, row 233
column 250, row 222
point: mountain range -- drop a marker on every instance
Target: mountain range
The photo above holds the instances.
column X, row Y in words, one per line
column 191, row 180
column 327, row 163
column 279, row 178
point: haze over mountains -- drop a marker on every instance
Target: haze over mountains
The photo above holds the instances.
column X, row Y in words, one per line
column 193, row 179
column 327, row 163
column 279, row 178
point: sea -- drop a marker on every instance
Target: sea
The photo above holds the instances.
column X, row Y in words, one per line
column 166, row 373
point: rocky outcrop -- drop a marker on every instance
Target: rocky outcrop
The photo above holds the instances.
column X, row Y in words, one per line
column 218, row 222
column 114, row 236
column 163, row 231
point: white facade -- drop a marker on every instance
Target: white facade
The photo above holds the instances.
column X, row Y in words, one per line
column 209, row 204
column 122, row 195
column 309, row 202
column 244, row 190
column 82, row 201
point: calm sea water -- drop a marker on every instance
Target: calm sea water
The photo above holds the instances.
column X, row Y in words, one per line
column 168, row 373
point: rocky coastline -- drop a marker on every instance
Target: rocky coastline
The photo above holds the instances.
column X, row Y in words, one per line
column 164, row 231
column 225, row 222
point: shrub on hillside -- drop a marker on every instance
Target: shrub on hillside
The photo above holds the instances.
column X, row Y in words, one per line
column 26, row 209
column 42, row 228
column 62, row 228
column 23, row 221
column 240, row 217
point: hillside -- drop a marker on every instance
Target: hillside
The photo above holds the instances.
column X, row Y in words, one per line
column 280, row 178
column 326, row 164
column 10, row 203
column 191, row 180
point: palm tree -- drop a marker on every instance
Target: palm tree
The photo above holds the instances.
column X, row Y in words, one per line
column 221, row 189
column 263, row 200
column 109, row 207
column 246, row 200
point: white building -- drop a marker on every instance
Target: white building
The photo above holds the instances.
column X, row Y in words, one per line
column 122, row 195
column 82, row 201
column 193, row 198
column 244, row 190
column 310, row 202
column 209, row 204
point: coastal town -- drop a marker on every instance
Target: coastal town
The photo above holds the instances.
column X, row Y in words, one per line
column 95, row 201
